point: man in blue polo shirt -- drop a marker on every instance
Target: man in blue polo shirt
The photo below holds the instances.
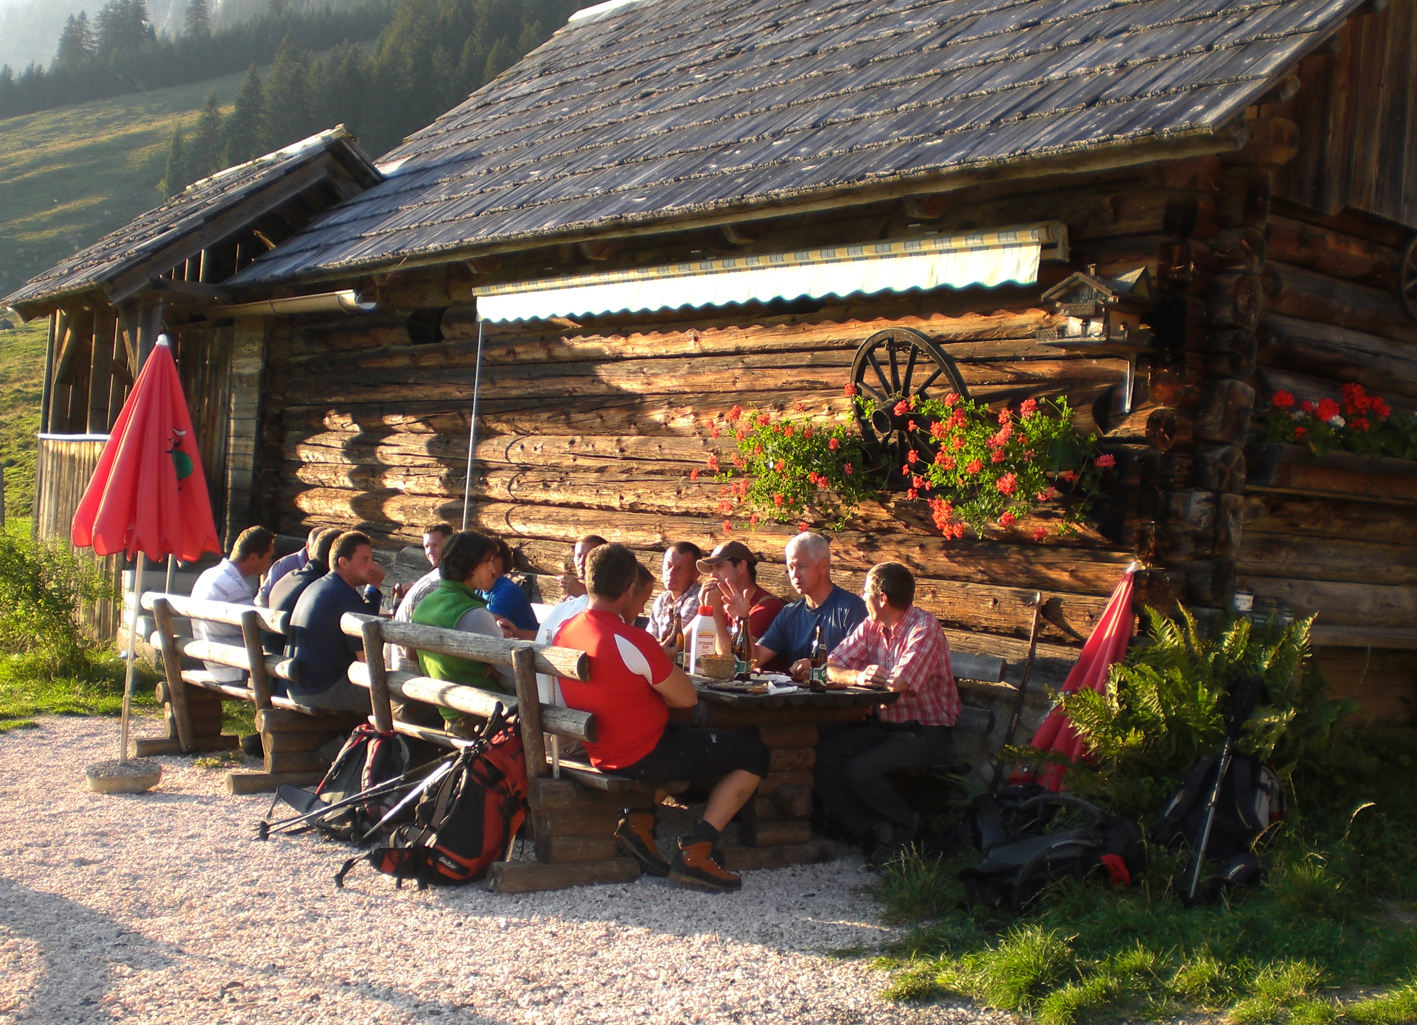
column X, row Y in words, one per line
column 823, row 604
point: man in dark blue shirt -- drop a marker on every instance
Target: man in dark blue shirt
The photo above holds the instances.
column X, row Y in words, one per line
column 321, row 650
column 823, row 604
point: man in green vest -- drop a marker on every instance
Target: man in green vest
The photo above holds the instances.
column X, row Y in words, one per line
column 470, row 562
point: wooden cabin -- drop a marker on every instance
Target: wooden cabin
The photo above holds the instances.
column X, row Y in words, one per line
column 593, row 249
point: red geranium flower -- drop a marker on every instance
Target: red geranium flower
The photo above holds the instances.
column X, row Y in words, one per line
column 974, row 466
column 1299, row 432
column 1328, row 409
column 1007, row 484
column 939, row 431
column 1004, row 416
column 912, row 494
column 998, row 456
column 797, row 407
column 956, row 443
column 834, row 444
column 787, row 431
column 780, row 465
column 911, row 426
column 1039, row 533
column 851, row 391
column 713, row 462
column 1282, row 400
column 951, row 398
column 803, row 527
column 846, row 468
column 728, row 526
column 901, row 408
column 694, row 474
column 1069, row 475
column 1359, row 423
column 778, row 499
column 1028, row 408
column 1006, row 519
column 1105, row 460
column 1380, row 408
column 807, row 433
column 945, row 459
column 753, row 519
column 734, row 413
column 912, row 456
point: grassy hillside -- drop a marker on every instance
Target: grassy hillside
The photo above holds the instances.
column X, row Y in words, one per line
column 71, row 175
column 21, row 377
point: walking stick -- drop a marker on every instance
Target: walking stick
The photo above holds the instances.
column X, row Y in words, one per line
column 1242, row 703
column 1017, row 711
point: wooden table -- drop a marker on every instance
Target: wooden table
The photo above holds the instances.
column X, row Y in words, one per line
column 775, row 827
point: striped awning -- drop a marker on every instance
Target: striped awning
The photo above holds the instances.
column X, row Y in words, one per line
column 984, row 258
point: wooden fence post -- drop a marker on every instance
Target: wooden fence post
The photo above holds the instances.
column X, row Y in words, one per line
column 256, row 655
column 529, row 711
column 378, row 684
column 172, row 666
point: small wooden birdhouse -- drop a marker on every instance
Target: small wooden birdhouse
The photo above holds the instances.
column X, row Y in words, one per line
column 1101, row 317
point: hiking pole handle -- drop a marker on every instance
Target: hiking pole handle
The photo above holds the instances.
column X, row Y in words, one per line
column 1227, row 753
column 432, row 778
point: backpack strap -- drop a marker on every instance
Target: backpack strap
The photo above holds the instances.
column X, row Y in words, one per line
column 991, row 821
column 1184, row 800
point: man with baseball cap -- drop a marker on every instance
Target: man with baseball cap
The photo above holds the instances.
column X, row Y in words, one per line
column 735, row 570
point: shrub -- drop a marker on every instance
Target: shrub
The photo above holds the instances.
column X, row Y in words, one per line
column 43, row 585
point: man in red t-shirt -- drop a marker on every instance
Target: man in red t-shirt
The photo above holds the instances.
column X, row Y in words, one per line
column 631, row 688
column 735, row 572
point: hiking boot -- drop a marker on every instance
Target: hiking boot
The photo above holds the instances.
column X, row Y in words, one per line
column 897, row 841
column 636, row 836
column 701, row 864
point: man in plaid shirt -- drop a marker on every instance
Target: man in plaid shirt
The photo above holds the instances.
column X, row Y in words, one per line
column 899, row 648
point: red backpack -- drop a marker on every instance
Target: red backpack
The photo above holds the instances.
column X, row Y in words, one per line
column 462, row 824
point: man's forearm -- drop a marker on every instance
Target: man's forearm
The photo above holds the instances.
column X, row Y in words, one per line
column 841, row 675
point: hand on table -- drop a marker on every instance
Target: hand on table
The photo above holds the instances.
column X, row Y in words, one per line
column 801, row 669
column 872, row 676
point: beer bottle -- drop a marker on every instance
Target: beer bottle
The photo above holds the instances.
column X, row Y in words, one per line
column 743, row 649
column 676, row 633
column 818, row 679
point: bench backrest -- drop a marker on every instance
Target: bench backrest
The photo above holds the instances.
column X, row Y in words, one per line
column 524, row 658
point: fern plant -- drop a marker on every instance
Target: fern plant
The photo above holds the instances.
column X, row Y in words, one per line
column 1166, row 706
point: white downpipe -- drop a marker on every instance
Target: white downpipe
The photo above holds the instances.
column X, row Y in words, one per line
column 472, row 426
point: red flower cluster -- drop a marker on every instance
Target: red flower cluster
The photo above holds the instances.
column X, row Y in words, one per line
column 1006, row 519
column 833, row 444
column 1028, row 408
column 851, row 391
column 942, row 512
column 1358, row 404
column 1105, row 461
column 1007, row 484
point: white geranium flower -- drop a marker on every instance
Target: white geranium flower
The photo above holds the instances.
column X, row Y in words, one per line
column 1337, row 421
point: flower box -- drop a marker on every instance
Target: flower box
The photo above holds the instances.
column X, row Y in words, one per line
column 1296, row 468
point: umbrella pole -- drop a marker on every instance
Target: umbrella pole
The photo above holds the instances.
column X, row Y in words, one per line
column 132, row 658
column 171, row 569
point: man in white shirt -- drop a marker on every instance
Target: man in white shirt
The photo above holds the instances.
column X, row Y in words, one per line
column 226, row 581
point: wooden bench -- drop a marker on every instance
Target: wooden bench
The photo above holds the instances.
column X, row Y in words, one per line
column 291, row 733
column 574, row 807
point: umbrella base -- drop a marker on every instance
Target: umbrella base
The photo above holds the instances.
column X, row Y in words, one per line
column 131, row 777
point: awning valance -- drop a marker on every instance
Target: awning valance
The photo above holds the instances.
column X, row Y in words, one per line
column 984, row 258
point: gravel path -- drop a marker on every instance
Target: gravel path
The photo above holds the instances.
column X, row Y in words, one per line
column 162, row 908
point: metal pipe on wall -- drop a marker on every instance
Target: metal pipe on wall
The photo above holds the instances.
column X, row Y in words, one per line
column 472, row 426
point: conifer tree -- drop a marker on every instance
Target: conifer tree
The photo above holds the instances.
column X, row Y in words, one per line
column 248, row 125
column 76, row 44
column 207, row 153
column 174, row 180
column 288, row 94
column 198, row 22
column 501, row 57
column 122, row 27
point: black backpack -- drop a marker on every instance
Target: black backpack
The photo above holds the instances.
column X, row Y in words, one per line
column 1251, row 800
column 369, row 757
column 1022, row 856
column 462, row 823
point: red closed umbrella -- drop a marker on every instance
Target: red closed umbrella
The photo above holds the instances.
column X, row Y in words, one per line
column 1108, row 644
column 148, row 494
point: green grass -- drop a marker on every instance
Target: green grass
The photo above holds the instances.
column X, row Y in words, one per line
column 21, row 379
column 71, row 175
column 1277, row 954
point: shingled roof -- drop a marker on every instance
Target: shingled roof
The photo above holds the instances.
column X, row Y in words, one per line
column 645, row 111
column 224, row 204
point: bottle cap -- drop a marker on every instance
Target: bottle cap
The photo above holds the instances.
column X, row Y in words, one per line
column 706, row 610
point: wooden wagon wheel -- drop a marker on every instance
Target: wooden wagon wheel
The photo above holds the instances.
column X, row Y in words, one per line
column 896, row 364
column 1407, row 277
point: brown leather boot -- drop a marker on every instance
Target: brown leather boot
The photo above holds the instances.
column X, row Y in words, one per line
column 700, row 864
column 636, row 836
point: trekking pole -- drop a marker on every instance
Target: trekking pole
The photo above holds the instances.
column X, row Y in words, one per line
column 1016, row 712
column 1241, row 705
column 419, row 790
column 379, row 789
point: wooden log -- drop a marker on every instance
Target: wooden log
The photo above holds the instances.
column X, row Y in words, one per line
column 1339, row 354
column 773, row 780
column 1341, row 603
column 779, row 833
column 793, row 759
column 533, row 876
column 1239, row 250
column 559, row 850
column 550, row 793
column 529, row 712
column 1245, row 193
column 1233, row 301
column 1305, row 295
column 303, row 741
column 1301, row 515
column 1238, row 362
column 1339, row 559
column 1219, row 468
column 238, row 783
column 1222, row 414
column 375, row 673
column 216, row 611
column 798, row 735
column 1229, row 523
column 764, row 809
column 749, row 859
column 1168, row 428
column 1329, row 251
column 279, row 720
column 149, row 747
column 1295, row 468
column 295, row 761
column 255, row 658
column 585, row 820
column 792, row 801
column 1210, row 581
column 564, row 662
column 1382, row 637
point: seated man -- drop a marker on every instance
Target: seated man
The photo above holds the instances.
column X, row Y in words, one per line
column 737, row 594
column 823, row 605
column 900, row 648
column 321, row 649
column 286, row 564
column 226, row 581
column 508, row 602
column 287, row 591
column 632, row 686
column 680, row 576
column 574, row 586
column 468, row 565
column 396, row 656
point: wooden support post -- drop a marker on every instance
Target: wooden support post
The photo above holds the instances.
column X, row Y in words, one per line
column 529, row 711
column 256, row 655
column 172, row 667
column 378, row 685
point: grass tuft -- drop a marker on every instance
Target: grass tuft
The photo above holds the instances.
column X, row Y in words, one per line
column 1398, row 1007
